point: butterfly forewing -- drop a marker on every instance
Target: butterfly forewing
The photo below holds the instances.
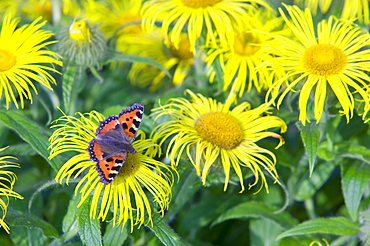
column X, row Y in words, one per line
column 130, row 120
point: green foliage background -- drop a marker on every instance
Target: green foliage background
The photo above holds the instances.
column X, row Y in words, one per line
column 324, row 170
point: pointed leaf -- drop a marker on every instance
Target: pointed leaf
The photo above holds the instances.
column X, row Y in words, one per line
column 115, row 235
column 257, row 210
column 309, row 186
column 355, row 177
column 337, row 226
column 163, row 232
column 31, row 133
column 310, row 134
column 89, row 229
column 25, row 219
column 140, row 59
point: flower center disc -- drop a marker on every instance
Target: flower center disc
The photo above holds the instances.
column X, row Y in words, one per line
column 7, row 60
column 324, row 60
column 200, row 3
column 244, row 44
column 130, row 166
column 183, row 52
column 220, row 129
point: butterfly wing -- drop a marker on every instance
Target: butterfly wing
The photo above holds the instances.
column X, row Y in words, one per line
column 114, row 137
column 130, row 119
column 108, row 166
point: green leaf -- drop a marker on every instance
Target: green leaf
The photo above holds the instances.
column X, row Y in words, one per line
column 71, row 78
column 355, row 177
column 257, row 210
column 263, row 232
column 139, row 59
column 115, row 235
column 70, row 219
column 89, row 229
column 337, row 226
column 354, row 151
column 310, row 134
column 309, row 186
column 31, row 133
column 163, row 232
column 20, row 218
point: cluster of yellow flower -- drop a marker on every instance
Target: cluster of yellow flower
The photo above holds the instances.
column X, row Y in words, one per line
column 255, row 47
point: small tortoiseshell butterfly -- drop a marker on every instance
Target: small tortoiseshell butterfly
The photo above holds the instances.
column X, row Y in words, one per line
column 114, row 137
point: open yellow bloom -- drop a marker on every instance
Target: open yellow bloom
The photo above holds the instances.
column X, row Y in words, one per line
column 217, row 18
column 153, row 45
column 115, row 16
column 332, row 61
column 239, row 64
column 359, row 9
column 8, row 179
column 210, row 132
column 23, row 60
column 125, row 196
column 324, row 5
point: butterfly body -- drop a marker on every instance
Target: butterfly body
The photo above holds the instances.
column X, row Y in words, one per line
column 113, row 141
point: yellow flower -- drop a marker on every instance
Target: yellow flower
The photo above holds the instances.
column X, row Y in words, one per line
column 357, row 8
column 114, row 15
column 36, row 8
column 153, row 45
column 217, row 18
column 333, row 58
column 24, row 60
column 82, row 44
column 125, row 196
column 6, row 187
column 210, row 132
column 324, row 5
column 239, row 64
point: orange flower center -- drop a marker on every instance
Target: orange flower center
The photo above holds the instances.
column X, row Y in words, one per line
column 324, row 60
column 183, row 52
column 245, row 44
column 221, row 129
column 200, row 3
column 7, row 60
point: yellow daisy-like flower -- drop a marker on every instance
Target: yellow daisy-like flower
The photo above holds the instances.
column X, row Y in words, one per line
column 210, row 132
column 217, row 18
column 8, row 179
column 125, row 195
column 324, row 5
column 239, row 64
column 24, row 60
column 357, row 8
column 178, row 61
column 333, row 58
column 113, row 15
column 36, row 8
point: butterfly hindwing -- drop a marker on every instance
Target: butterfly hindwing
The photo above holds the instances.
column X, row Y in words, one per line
column 108, row 168
column 95, row 151
column 130, row 119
